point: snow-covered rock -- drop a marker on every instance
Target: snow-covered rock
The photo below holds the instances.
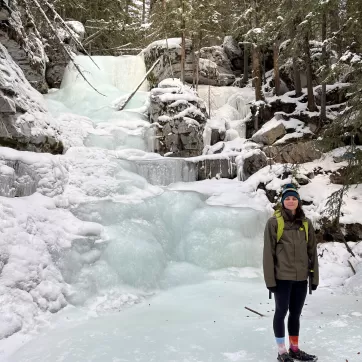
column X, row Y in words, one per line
column 250, row 162
column 25, row 123
column 270, row 132
column 78, row 28
column 34, row 237
column 215, row 67
column 57, row 60
column 179, row 116
column 24, row 173
column 234, row 52
column 336, row 93
column 295, row 153
column 24, row 45
column 169, row 66
column 35, row 48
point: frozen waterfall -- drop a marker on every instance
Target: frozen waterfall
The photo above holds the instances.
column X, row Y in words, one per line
column 155, row 239
column 144, row 238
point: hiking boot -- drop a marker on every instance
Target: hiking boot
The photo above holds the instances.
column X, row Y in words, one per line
column 302, row 356
column 285, row 357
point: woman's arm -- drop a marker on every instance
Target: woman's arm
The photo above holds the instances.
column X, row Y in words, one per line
column 270, row 240
column 312, row 253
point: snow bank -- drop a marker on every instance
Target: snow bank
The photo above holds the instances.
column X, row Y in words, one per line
column 34, row 234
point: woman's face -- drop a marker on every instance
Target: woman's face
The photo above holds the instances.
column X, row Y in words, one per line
column 291, row 203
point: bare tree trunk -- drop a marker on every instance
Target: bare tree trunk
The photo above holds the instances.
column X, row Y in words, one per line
column 264, row 67
column 128, row 17
column 276, row 69
column 308, row 62
column 198, row 58
column 143, row 11
column 183, row 42
column 257, row 73
column 209, row 93
column 194, row 65
column 334, row 25
column 323, row 116
column 295, row 50
column 246, row 64
column 296, row 75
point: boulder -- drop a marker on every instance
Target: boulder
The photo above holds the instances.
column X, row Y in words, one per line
column 179, row 116
column 25, row 124
column 233, row 52
column 344, row 175
column 215, row 67
column 170, row 64
column 271, row 194
column 294, row 153
column 250, row 162
column 286, row 69
column 270, row 132
column 352, row 232
column 336, row 94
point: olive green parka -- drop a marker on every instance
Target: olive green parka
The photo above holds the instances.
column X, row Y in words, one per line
column 292, row 256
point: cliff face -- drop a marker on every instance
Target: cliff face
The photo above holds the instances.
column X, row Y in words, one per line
column 33, row 46
column 24, row 44
column 25, row 124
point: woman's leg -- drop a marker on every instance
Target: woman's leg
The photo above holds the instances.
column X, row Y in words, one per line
column 296, row 303
column 281, row 296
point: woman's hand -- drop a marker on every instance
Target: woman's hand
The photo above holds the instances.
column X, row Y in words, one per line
column 272, row 289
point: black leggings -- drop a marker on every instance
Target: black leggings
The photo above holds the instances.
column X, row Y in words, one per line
column 289, row 295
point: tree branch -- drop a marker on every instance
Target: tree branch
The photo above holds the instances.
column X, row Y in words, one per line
column 139, row 85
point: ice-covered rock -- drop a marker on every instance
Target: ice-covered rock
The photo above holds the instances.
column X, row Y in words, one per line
column 24, row 173
column 165, row 171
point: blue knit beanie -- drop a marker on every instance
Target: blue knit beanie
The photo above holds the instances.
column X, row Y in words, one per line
column 289, row 190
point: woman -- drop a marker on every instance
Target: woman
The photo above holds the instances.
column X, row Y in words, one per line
column 290, row 256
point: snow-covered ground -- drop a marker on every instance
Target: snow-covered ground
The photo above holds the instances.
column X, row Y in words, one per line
column 201, row 322
column 96, row 239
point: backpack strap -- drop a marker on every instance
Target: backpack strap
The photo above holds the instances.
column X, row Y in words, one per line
column 306, row 229
column 280, row 227
column 280, row 222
